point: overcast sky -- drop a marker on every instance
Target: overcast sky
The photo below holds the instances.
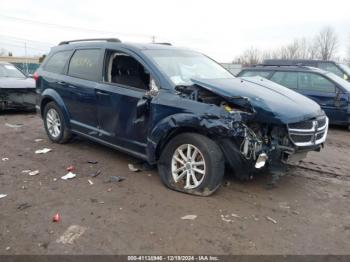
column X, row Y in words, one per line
column 221, row 29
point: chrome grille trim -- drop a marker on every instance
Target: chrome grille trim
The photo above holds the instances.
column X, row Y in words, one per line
column 315, row 132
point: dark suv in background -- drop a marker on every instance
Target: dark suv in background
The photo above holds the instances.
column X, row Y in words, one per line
column 331, row 92
column 340, row 69
column 175, row 108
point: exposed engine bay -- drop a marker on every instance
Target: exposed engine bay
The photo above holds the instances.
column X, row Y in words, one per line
column 260, row 145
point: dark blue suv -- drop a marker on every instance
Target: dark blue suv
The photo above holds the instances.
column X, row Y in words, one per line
column 340, row 69
column 175, row 108
column 331, row 92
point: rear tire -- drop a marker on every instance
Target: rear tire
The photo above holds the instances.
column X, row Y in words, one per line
column 54, row 124
column 198, row 170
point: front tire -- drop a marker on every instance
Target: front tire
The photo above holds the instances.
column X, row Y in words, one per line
column 193, row 164
column 54, row 124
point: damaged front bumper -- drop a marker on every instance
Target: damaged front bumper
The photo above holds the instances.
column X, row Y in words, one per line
column 271, row 149
column 17, row 98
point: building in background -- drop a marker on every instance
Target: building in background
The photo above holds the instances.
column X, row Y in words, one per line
column 27, row 65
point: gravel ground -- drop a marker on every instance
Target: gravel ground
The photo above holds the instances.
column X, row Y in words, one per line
column 306, row 213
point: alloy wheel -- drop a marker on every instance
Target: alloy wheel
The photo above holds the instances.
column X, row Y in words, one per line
column 188, row 166
column 53, row 123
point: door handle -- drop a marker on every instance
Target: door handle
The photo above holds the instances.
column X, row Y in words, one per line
column 61, row 83
column 102, row 93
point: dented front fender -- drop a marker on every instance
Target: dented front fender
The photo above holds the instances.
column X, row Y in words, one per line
column 210, row 125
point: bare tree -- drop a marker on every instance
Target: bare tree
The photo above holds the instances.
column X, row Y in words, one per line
column 298, row 49
column 290, row 51
column 312, row 50
column 271, row 54
column 251, row 56
column 323, row 46
column 304, row 51
column 326, row 43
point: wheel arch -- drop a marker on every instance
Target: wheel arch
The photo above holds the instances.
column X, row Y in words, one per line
column 175, row 132
column 171, row 127
column 50, row 95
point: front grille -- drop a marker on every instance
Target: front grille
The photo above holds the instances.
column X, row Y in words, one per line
column 309, row 132
column 301, row 138
column 319, row 135
column 302, row 125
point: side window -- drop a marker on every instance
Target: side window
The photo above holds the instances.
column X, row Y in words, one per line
column 123, row 69
column 315, row 82
column 287, row 79
column 256, row 73
column 85, row 64
column 57, row 62
column 331, row 68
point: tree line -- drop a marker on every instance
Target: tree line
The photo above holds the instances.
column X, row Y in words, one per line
column 323, row 46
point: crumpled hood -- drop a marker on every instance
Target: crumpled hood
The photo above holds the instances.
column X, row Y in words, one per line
column 273, row 103
column 9, row 82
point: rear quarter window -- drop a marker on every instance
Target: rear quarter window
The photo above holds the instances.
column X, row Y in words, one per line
column 57, row 62
column 85, row 64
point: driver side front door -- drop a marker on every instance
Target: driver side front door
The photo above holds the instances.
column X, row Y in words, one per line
column 124, row 87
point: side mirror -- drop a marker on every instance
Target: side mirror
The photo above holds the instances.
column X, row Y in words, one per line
column 143, row 105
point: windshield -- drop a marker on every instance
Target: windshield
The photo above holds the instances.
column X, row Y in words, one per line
column 7, row 70
column 181, row 66
column 340, row 81
column 345, row 68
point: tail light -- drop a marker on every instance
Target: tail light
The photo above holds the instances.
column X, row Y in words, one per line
column 36, row 76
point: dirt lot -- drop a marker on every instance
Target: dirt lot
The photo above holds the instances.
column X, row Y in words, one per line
column 310, row 205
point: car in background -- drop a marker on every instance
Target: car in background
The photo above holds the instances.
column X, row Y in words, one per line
column 27, row 68
column 340, row 69
column 331, row 92
column 176, row 108
column 17, row 91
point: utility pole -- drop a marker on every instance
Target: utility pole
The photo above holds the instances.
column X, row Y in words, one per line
column 25, row 54
column 153, row 38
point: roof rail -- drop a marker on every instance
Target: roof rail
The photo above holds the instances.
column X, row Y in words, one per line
column 280, row 66
column 162, row 44
column 289, row 62
column 115, row 40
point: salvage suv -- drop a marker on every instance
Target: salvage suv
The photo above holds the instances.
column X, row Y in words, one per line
column 175, row 108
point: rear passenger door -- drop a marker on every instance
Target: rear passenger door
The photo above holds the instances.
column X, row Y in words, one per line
column 287, row 79
column 84, row 71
